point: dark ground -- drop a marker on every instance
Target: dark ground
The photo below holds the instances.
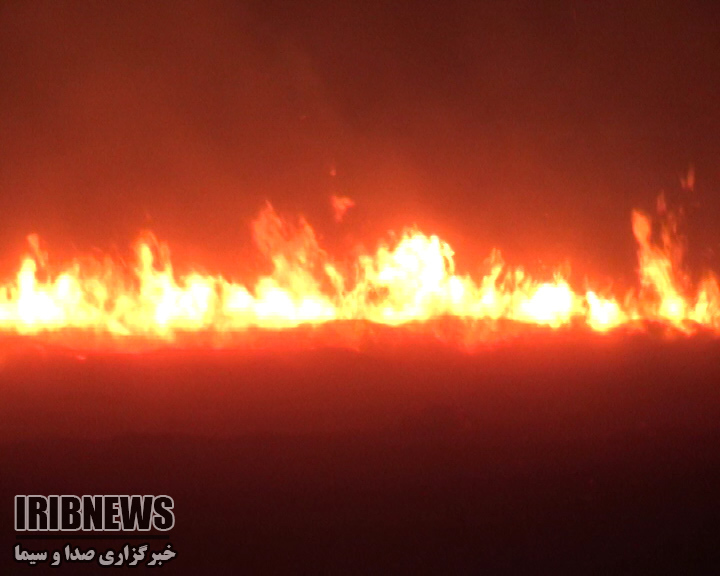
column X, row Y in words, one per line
column 564, row 454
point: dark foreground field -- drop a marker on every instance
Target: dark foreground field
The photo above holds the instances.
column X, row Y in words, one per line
column 555, row 454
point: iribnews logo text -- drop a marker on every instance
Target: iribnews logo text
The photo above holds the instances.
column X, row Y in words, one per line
column 93, row 513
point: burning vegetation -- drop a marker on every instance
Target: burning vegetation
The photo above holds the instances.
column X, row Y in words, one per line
column 412, row 280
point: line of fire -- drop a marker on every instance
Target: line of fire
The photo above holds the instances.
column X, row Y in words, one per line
column 410, row 281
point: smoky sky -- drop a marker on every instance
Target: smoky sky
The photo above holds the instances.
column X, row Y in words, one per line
column 534, row 127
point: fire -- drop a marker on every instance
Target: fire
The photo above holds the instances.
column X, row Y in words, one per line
column 340, row 205
column 411, row 280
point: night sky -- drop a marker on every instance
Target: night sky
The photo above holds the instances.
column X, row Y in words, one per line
column 534, row 127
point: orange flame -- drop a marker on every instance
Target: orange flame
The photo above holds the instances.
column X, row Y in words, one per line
column 411, row 280
column 341, row 204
